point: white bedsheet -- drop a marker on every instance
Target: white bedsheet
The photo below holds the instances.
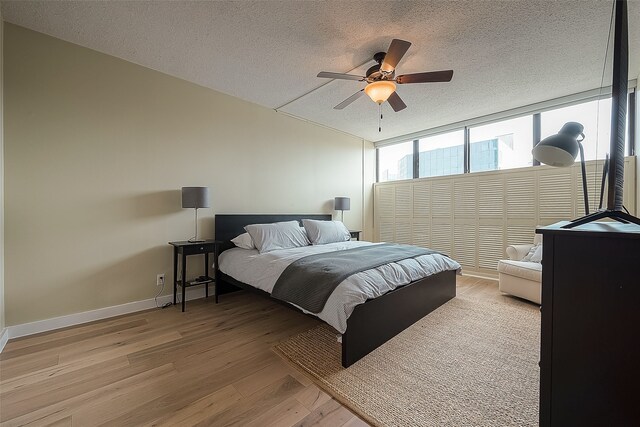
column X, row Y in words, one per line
column 262, row 271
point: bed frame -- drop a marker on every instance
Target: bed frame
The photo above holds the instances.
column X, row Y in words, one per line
column 371, row 324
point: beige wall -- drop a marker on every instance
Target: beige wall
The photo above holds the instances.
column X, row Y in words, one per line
column 96, row 151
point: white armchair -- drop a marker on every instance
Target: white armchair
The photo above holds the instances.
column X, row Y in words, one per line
column 518, row 277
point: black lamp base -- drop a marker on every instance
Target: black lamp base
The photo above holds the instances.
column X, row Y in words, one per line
column 619, row 216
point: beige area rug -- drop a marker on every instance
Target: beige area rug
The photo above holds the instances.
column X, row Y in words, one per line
column 468, row 363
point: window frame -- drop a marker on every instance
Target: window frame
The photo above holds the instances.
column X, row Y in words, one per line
column 533, row 135
column 417, row 152
column 413, row 160
column 522, row 112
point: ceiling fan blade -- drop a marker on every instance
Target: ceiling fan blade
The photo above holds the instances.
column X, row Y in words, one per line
column 349, row 100
column 429, row 77
column 396, row 102
column 342, row 76
column 396, row 51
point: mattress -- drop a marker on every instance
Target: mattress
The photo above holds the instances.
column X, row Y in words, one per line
column 262, row 271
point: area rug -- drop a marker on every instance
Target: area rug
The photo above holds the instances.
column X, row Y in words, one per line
column 468, row 363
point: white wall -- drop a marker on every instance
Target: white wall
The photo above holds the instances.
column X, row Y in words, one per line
column 96, row 151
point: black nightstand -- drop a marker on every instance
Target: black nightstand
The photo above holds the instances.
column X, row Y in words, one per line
column 355, row 234
column 186, row 248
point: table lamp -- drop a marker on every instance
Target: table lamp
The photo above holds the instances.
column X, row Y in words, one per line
column 195, row 197
column 342, row 204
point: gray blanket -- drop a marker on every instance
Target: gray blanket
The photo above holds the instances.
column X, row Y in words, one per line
column 309, row 281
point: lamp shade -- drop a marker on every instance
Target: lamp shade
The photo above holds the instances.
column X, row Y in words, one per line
column 195, row 197
column 561, row 149
column 342, row 203
column 380, row 91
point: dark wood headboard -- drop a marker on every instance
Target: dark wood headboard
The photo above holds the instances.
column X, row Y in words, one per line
column 228, row 226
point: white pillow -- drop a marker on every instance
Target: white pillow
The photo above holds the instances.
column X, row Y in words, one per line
column 279, row 235
column 537, row 255
column 323, row 232
column 243, row 241
column 529, row 254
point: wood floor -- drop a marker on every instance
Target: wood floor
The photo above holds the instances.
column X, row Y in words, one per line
column 209, row 366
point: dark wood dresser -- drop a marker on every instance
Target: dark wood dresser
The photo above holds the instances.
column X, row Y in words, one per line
column 590, row 350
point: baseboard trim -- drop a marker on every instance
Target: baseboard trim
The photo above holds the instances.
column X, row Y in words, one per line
column 46, row 325
column 4, row 337
column 481, row 276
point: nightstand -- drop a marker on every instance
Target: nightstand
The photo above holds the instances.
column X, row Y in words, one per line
column 355, row 234
column 184, row 249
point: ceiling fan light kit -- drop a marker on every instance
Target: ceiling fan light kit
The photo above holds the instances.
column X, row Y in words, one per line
column 381, row 79
column 380, row 91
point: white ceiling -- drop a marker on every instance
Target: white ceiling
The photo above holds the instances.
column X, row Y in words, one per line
column 504, row 54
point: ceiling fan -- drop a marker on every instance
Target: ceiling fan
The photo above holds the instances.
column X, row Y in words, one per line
column 381, row 79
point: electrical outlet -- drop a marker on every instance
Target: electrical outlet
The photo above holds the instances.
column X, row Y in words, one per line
column 160, row 279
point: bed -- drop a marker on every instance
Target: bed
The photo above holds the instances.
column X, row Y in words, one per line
column 371, row 323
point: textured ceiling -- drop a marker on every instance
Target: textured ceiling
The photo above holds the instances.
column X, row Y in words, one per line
column 505, row 54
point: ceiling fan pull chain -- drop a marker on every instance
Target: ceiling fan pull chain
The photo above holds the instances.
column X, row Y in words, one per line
column 380, row 118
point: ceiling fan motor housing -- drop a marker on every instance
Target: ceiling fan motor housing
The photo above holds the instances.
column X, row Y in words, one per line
column 379, row 57
column 374, row 72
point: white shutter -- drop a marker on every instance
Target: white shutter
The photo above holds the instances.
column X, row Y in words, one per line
column 421, row 234
column 473, row 217
column 441, row 198
column 555, row 195
column 490, row 245
column 465, row 193
column 464, row 244
column 421, row 199
column 386, row 201
column 404, row 201
column 521, row 196
column 387, row 231
column 441, row 238
column 491, row 197
column 403, row 233
column 520, row 234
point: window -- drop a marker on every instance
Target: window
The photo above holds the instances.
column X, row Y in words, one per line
column 502, row 145
column 498, row 145
column 441, row 154
column 395, row 162
column 595, row 116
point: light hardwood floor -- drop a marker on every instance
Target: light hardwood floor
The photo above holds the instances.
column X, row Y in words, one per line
column 211, row 365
